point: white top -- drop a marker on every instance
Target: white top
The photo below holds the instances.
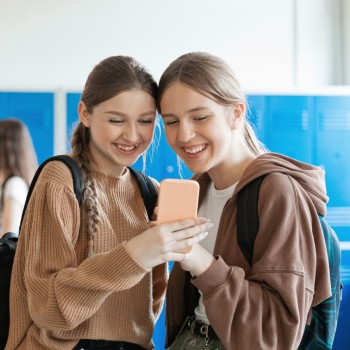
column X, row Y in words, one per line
column 17, row 189
column 211, row 207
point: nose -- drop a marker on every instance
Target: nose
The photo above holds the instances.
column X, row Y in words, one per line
column 185, row 133
column 131, row 133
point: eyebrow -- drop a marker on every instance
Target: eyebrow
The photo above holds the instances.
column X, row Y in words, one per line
column 196, row 109
column 120, row 114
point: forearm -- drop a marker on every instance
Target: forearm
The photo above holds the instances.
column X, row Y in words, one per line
column 273, row 303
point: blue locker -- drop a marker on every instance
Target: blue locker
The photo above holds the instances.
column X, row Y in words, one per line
column 257, row 110
column 290, row 126
column 36, row 110
column 73, row 99
column 333, row 145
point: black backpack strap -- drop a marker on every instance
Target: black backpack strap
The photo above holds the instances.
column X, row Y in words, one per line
column 76, row 174
column 248, row 218
column 148, row 191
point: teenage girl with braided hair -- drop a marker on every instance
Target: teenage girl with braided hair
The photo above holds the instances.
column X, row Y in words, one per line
column 94, row 277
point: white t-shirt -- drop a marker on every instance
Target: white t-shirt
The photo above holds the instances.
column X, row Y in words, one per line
column 17, row 189
column 211, row 207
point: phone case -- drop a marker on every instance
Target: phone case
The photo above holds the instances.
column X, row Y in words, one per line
column 178, row 199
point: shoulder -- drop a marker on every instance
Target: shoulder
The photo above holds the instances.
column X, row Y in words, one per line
column 55, row 177
column 278, row 182
column 56, row 171
column 136, row 174
column 279, row 194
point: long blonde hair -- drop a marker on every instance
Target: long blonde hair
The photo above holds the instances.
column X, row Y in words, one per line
column 214, row 78
column 109, row 78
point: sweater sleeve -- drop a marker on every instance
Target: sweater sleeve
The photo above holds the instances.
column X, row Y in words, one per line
column 268, row 310
column 62, row 294
column 160, row 277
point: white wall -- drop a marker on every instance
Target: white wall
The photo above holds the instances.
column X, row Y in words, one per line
column 47, row 44
column 346, row 40
column 273, row 45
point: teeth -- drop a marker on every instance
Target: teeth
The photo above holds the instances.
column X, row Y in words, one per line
column 195, row 149
column 127, row 148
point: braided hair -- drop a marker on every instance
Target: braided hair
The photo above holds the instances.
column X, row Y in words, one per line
column 109, row 78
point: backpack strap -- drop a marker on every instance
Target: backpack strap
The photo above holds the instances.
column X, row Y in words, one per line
column 247, row 217
column 148, row 191
column 76, row 173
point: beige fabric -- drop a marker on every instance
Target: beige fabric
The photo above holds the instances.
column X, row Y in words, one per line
column 57, row 296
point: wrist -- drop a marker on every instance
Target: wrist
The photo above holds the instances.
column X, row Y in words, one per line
column 204, row 266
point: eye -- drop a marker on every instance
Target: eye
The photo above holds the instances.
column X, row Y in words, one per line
column 146, row 121
column 201, row 118
column 170, row 122
column 116, row 121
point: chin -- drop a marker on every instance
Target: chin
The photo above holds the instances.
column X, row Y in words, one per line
column 197, row 169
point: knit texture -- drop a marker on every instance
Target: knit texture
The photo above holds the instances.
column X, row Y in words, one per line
column 58, row 296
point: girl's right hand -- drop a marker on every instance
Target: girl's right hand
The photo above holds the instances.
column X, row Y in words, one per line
column 163, row 242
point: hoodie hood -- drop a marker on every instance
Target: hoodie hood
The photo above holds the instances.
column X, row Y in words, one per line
column 311, row 178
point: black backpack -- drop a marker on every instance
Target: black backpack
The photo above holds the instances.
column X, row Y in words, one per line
column 8, row 242
column 321, row 331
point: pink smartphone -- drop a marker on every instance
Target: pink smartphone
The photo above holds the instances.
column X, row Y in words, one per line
column 178, row 199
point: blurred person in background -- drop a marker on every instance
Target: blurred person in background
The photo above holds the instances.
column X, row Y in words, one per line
column 18, row 162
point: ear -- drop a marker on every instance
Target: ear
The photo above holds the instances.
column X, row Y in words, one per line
column 237, row 115
column 83, row 114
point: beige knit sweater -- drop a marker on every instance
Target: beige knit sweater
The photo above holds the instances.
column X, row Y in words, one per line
column 57, row 295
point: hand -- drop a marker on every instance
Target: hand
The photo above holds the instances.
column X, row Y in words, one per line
column 197, row 261
column 162, row 242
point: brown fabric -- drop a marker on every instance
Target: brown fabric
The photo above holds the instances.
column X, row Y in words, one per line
column 266, row 306
column 57, row 296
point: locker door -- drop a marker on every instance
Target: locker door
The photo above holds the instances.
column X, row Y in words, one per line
column 73, row 99
column 333, row 145
column 257, row 111
column 36, row 110
column 290, row 126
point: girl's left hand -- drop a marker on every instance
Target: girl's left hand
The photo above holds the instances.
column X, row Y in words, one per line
column 198, row 261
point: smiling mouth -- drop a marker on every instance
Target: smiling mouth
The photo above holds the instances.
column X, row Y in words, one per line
column 127, row 148
column 194, row 149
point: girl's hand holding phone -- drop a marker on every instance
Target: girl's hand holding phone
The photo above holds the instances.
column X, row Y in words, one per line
column 166, row 242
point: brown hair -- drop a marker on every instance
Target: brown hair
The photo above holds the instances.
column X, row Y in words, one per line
column 17, row 154
column 109, row 78
column 214, row 78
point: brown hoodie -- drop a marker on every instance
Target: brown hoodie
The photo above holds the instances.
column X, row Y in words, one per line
column 265, row 306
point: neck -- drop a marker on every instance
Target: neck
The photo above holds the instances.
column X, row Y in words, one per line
column 230, row 172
